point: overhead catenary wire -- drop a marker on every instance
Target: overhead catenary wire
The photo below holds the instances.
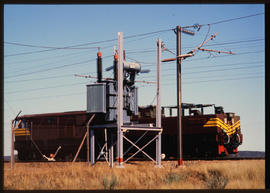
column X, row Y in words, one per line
column 79, row 45
column 127, row 37
column 42, row 78
column 152, row 50
column 44, row 88
column 50, row 96
column 208, row 45
column 144, row 81
column 232, row 19
column 171, row 29
column 164, row 70
column 186, row 61
column 47, row 47
column 204, row 58
column 211, row 81
column 44, row 58
column 214, row 70
column 54, row 68
column 146, row 85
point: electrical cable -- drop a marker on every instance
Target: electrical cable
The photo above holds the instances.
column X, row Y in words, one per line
column 233, row 19
column 47, row 47
column 203, row 58
column 64, row 85
column 46, row 58
column 54, row 68
column 78, row 45
column 212, row 66
column 215, row 70
column 127, row 37
column 50, row 96
column 203, row 81
column 44, row 88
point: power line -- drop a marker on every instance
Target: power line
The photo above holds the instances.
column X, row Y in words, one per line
column 46, row 58
column 34, row 79
column 44, row 88
column 225, row 79
column 233, row 19
column 192, row 82
column 235, row 42
column 50, row 96
column 167, row 69
column 143, row 51
column 48, row 69
column 203, row 58
column 237, row 54
column 110, row 40
column 224, row 69
column 54, row 68
column 212, row 81
column 44, row 78
column 213, row 66
column 217, row 44
column 78, row 45
column 218, row 76
column 215, row 70
column 64, row 85
column 47, row 47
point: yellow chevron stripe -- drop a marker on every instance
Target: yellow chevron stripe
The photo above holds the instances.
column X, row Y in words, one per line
column 216, row 122
column 20, row 129
column 21, row 134
column 18, row 132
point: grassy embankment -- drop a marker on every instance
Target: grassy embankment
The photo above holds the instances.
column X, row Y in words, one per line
column 243, row 174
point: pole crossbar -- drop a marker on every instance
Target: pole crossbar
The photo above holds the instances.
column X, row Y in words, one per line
column 218, row 51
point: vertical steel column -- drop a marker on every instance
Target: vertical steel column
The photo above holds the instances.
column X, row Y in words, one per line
column 87, row 143
column 92, row 145
column 12, row 146
column 106, row 143
column 179, row 96
column 120, row 101
column 158, row 107
column 111, row 148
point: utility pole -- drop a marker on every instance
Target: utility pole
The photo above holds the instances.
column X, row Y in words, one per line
column 120, row 101
column 158, row 106
column 179, row 59
column 179, row 97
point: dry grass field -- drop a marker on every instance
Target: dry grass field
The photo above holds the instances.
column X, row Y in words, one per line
column 239, row 174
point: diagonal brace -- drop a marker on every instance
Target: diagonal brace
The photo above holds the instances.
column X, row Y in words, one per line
column 140, row 149
column 135, row 142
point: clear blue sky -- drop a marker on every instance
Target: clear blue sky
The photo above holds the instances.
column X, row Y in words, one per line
column 41, row 82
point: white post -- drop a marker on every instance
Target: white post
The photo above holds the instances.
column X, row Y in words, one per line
column 12, row 146
column 158, row 106
column 120, row 101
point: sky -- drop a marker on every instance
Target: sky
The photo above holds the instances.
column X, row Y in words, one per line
column 39, row 77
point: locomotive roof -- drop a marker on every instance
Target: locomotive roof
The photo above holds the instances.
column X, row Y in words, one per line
column 53, row 114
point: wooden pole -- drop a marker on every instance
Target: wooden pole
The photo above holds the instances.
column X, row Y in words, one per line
column 79, row 149
column 179, row 98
